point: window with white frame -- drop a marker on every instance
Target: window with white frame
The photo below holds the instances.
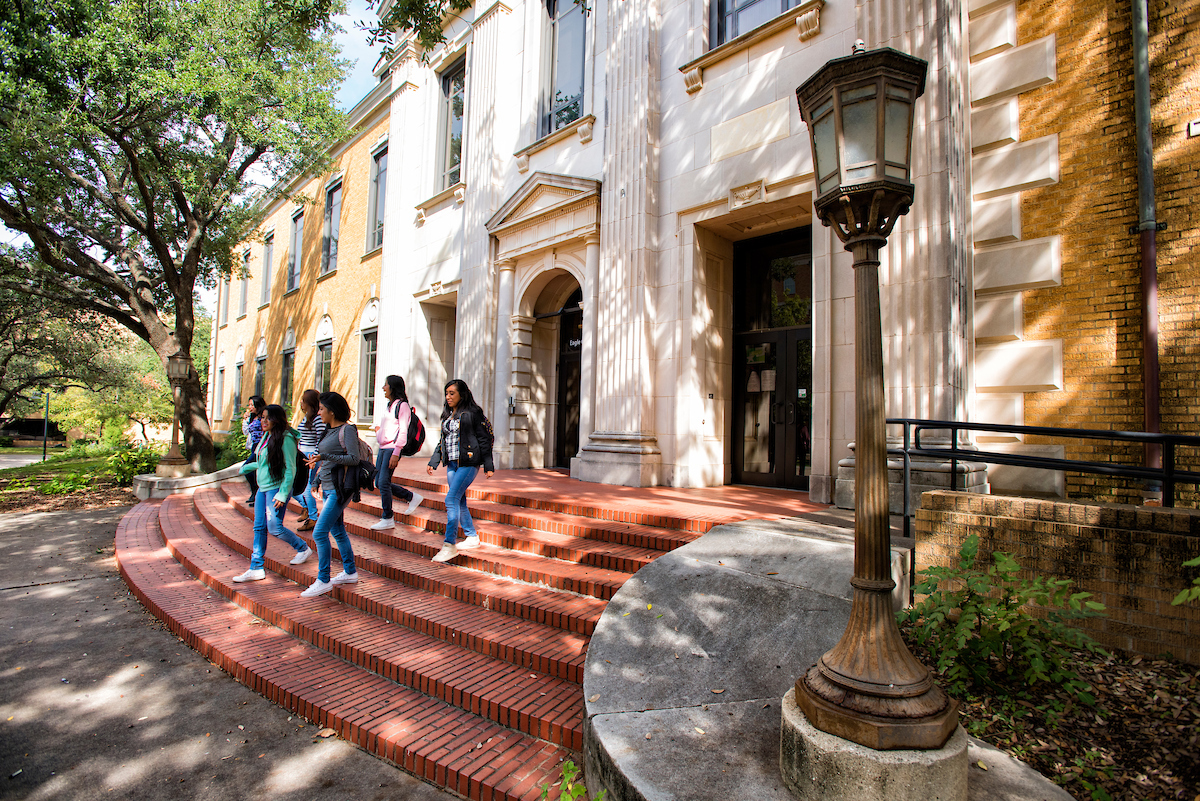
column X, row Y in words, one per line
column 287, row 370
column 223, row 301
column 563, row 102
column 732, row 18
column 219, row 395
column 366, row 389
column 295, row 250
column 454, row 95
column 324, row 366
column 244, row 284
column 377, row 200
column 237, row 389
column 260, row 374
column 333, row 224
column 267, row 268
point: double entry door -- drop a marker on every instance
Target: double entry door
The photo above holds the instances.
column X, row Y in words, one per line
column 772, row 425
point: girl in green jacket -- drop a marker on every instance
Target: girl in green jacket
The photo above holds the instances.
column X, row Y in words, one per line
column 275, row 467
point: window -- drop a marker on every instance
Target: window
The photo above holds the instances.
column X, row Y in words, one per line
column 268, row 268
column 260, row 374
column 295, row 243
column 244, row 284
column 454, row 85
column 219, row 395
column 324, row 365
column 377, row 201
column 237, row 390
column 564, row 95
column 732, row 18
column 333, row 223
column 285, row 376
column 223, row 302
column 366, row 392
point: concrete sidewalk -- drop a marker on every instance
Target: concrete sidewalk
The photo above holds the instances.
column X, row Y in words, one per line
column 689, row 664
column 100, row 701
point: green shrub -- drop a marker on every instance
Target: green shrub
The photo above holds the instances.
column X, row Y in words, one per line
column 84, row 449
column 979, row 628
column 1192, row 592
column 128, row 462
column 68, row 483
column 570, row 788
column 6, row 442
column 232, row 449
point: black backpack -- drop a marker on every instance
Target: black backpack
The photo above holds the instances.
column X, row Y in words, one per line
column 416, row 432
column 300, row 482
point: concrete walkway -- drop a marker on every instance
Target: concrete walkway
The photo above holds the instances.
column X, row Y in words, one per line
column 8, row 460
column 100, row 701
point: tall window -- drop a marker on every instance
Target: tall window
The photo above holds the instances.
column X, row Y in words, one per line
column 237, row 390
column 295, row 244
column 377, row 201
column 268, row 268
column 333, row 223
column 260, row 374
column 732, row 18
column 244, row 284
column 324, row 365
column 366, row 392
column 224, row 301
column 285, row 376
column 454, row 85
column 219, row 395
column 564, row 100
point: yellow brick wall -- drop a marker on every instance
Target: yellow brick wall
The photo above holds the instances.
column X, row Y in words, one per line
column 1096, row 311
column 342, row 294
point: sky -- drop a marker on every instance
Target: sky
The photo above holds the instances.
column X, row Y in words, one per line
column 353, row 40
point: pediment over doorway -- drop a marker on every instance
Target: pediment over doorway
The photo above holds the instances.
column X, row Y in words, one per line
column 547, row 210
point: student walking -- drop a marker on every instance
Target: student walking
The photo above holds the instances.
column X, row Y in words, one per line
column 392, row 436
column 275, row 465
column 312, row 429
column 332, row 452
column 464, row 446
column 253, row 431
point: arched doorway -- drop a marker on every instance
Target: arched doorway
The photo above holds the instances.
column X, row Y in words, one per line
column 570, row 348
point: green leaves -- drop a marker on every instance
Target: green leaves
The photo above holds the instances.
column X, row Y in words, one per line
column 1193, row 592
column 989, row 629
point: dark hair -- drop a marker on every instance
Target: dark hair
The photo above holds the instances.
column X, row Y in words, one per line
column 275, row 439
column 258, row 403
column 396, row 384
column 312, row 398
column 466, row 401
column 336, row 404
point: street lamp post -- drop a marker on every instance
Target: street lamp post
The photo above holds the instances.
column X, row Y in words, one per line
column 179, row 367
column 869, row 688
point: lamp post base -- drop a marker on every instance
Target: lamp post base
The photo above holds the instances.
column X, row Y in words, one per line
column 817, row 765
column 173, row 467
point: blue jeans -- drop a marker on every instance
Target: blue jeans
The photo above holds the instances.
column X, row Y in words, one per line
column 332, row 522
column 268, row 519
column 383, row 480
column 457, row 513
column 306, row 498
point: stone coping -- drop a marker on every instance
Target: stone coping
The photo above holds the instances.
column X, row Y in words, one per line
column 151, row 486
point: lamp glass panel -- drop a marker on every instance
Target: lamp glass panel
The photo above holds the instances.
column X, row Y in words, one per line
column 893, row 171
column 824, row 146
column 828, row 183
column 858, row 132
column 897, row 121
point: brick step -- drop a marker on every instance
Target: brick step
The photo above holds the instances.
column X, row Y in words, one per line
column 580, row 579
column 635, row 544
column 607, row 509
column 482, row 621
column 445, row 745
column 533, row 702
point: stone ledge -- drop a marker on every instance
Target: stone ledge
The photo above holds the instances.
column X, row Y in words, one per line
column 151, row 486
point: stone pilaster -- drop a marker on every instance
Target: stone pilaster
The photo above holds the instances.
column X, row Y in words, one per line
column 522, row 375
column 505, row 292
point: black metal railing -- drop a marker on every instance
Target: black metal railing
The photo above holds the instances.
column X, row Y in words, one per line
column 1167, row 476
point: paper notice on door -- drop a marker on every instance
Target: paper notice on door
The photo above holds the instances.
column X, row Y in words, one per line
column 768, row 381
column 753, row 384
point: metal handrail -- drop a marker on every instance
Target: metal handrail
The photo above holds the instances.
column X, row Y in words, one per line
column 1168, row 475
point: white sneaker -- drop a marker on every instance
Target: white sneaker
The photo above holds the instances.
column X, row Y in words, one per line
column 384, row 524
column 318, row 588
column 251, row 575
column 302, row 556
column 469, row 542
column 345, row 578
column 447, row 553
column 414, row 503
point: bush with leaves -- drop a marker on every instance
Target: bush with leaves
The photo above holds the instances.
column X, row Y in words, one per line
column 980, row 627
column 572, row 785
column 68, row 483
column 1192, row 592
column 232, row 449
column 128, row 462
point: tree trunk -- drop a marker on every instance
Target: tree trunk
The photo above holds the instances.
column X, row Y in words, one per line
column 194, row 427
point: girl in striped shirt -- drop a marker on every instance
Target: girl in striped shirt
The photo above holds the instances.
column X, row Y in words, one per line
column 312, row 429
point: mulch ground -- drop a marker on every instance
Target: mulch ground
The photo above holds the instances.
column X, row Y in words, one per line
column 102, row 494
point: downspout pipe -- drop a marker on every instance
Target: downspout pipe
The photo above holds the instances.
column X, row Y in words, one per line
column 1147, row 227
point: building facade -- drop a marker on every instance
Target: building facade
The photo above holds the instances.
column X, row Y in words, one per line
column 601, row 219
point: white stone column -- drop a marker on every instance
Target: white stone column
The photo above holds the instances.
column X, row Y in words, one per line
column 587, row 357
column 623, row 448
column 522, row 374
column 505, row 290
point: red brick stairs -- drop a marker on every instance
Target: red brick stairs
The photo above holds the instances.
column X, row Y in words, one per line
column 467, row 674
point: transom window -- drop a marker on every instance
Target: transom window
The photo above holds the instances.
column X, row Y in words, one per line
column 732, row 18
column 454, row 89
column 564, row 94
